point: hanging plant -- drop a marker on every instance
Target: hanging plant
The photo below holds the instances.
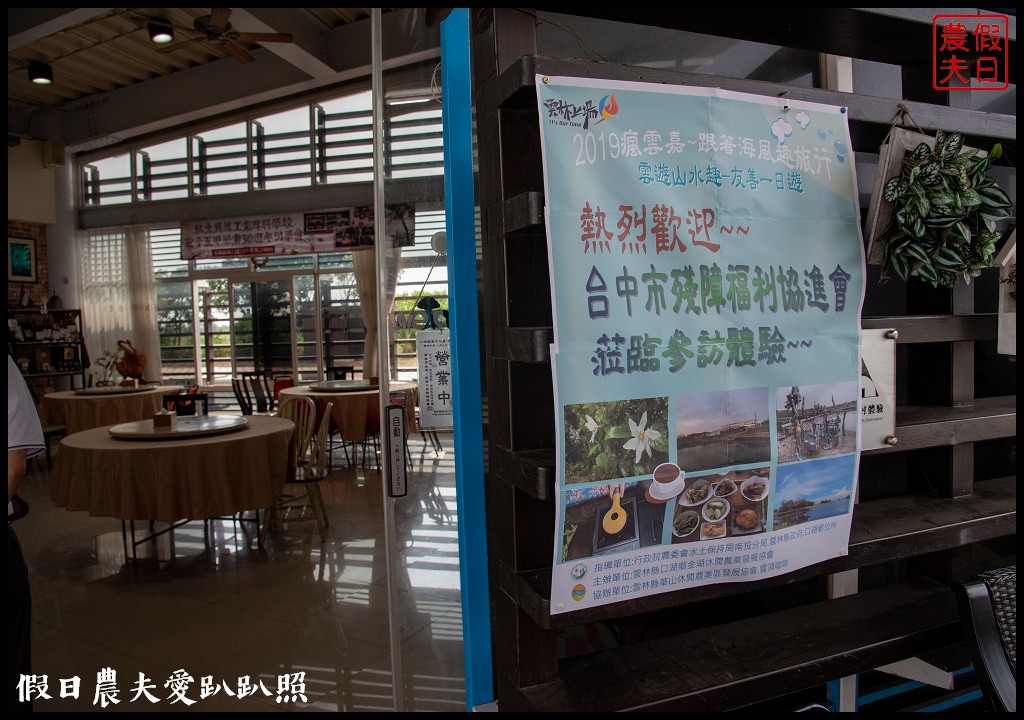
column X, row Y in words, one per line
column 944, row 211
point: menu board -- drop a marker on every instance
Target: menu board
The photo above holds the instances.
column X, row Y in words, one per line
column 707, row 278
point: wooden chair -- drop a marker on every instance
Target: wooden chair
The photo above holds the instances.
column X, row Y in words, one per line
column 309, row 504
column 302, row 412
column 988, row 610
column 188, row 404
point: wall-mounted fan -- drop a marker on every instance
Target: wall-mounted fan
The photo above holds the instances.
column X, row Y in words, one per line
column 215, row 29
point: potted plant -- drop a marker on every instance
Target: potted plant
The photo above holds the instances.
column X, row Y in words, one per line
column 107, row 363
column 941, row 209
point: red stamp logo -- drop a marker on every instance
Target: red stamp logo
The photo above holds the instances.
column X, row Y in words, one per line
column 970, row 52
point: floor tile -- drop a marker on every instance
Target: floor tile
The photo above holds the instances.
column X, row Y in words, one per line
column 213, row 603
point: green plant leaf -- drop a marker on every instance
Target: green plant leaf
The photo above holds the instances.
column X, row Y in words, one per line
column 917, row 252
column 993, row 196
column 917, row 228
column 930, row 173
column 948, row 257
column 928, row 272
column 894, row 188
column 949, row 146
column 965, row 232
column 900, row 266
column 941, row 221
column 619, row 431
column 970, row 198
column 921, row 152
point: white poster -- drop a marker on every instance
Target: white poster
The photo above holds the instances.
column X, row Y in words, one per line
column 707, row 274
column 433, row 349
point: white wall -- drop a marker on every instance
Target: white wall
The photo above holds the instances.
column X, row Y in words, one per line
column 30, row 194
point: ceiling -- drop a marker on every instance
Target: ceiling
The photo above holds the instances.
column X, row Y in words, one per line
column 112, row 83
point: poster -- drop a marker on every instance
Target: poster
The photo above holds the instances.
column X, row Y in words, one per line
column 433, row 351
column 707, row 275
column 345, row 229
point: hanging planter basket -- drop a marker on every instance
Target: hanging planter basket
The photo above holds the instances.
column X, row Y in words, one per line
column 934, row 209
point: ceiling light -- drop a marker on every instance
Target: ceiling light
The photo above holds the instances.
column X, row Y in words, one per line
column 160, row 31
column 40, row 73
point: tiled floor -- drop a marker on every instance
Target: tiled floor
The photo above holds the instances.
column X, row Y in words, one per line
column 232, row 614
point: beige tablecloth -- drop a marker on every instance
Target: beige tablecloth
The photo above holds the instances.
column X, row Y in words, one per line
column 168, row 480
column 84, row 412
column 355, row 411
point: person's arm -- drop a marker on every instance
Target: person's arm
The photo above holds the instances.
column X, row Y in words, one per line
column 16, row 464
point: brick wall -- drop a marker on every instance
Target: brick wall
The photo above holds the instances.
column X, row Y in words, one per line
column 37, row 292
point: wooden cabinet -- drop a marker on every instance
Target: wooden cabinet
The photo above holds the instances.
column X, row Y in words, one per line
column 47, row 344
column 937, row 505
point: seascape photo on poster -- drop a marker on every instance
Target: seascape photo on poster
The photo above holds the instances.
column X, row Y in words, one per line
column 815, row 490
column 816, row 421
column 605, row 519
column 722, row 428
column 615, row 440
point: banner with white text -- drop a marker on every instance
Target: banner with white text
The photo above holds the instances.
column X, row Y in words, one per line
column 707, row 275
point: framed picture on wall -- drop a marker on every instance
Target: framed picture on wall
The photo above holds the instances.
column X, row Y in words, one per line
column 21, row 260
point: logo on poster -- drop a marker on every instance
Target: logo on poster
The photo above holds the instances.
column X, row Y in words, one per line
column 562, row 112
column 579, row 592
column 970, row 52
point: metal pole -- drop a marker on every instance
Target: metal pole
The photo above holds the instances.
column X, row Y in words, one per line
column 460, row 221
column 383, row 355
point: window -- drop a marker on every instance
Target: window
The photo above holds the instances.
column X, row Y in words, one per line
column 321, row 143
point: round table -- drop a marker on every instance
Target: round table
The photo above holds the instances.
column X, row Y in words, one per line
column 78, row 412
column 355, row 410
column 171, row 479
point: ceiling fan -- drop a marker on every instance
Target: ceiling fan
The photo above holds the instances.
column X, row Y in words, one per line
column 215, row 29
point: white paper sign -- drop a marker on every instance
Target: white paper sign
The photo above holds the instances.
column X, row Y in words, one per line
column 877, row 389
column 433, row 349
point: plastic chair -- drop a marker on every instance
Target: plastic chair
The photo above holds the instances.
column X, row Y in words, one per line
column 988, row 610
column 188, row 404
column 308, row 475
column 281, row 382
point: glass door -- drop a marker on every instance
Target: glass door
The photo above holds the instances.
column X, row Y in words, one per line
column 262, row 327
column 421, row 523
column 251, row 323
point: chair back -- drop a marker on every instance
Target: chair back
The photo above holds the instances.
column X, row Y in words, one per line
column 988, row 612
column 262, row 398
column 241, row 396
column 301, row 410
column 280, row 383
column 194, row 403
column 317, row 467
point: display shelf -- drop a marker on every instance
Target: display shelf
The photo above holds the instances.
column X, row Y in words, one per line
column 47, row 343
